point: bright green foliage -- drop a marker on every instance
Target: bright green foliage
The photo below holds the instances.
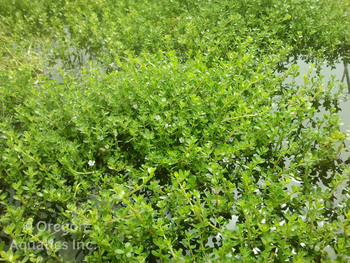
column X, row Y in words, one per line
column 189, row 127
column 111, row 29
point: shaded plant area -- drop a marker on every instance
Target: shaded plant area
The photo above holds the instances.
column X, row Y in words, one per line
column 110, row 30
column 188, row 127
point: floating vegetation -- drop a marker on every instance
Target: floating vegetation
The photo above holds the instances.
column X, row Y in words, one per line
column 165, row 134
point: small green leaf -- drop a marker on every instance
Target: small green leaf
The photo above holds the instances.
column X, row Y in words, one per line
column 119, row 251
column 3, row 254
column 160, row 232
column 2, row 244
column 317, row 248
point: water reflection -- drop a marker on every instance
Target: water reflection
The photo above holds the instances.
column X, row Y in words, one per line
column 346, row 73
column 325, row 172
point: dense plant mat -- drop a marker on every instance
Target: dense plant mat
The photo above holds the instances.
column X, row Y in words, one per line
column 179, row 126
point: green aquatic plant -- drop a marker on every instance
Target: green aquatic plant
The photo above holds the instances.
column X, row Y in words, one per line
column 188, row 149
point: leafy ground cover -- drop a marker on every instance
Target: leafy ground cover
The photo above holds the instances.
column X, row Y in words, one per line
column 180, row 134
